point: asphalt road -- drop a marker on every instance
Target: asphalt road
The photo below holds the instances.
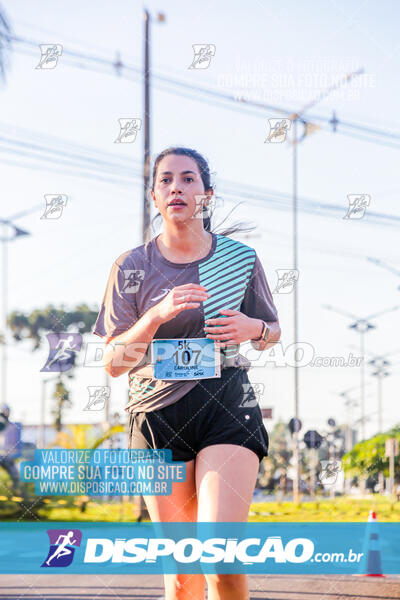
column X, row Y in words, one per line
column 150, row 587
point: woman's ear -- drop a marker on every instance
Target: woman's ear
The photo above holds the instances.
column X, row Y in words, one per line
column 154, row 198
column 207, row 200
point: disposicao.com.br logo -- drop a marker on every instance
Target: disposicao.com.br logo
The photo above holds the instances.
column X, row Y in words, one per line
column 62, row 547
column 190, row 550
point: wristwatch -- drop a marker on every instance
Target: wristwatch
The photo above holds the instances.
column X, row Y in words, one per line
column 264, row 333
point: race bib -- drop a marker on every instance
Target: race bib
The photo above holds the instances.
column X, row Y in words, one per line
column 186, row 358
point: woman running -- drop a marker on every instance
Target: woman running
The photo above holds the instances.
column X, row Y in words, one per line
column 189, row 282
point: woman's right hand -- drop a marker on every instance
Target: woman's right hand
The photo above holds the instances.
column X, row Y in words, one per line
column 181, row 297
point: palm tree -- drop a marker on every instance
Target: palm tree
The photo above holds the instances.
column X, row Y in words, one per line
column 5, row 42
column 83, row 437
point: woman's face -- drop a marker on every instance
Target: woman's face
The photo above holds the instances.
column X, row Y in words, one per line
column 179, row 190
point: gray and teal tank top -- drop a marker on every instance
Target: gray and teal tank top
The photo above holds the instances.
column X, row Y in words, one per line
column 140, row 278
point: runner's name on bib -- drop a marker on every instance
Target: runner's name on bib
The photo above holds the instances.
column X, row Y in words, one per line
column 186, row 358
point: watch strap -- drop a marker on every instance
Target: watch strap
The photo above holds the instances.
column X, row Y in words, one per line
column 262, row 332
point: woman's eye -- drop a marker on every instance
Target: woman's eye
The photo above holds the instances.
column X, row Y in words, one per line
column 165, row 179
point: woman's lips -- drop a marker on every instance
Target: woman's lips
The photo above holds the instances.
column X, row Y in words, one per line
column 177, row 206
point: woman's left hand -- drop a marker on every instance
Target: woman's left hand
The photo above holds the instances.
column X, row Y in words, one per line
column 232, row 329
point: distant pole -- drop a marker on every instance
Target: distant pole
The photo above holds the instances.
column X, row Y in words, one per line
column 380, row 410
column 391, row 473
column 146, row 154
column 4, row 319
column 380, row 365
column 107, row 404
column 296, row 478
column 362, row 381
column 391, row 450
column 42, row 415
column 16, row 233
column 42, row 425
column 313, row 457
column 362, row 325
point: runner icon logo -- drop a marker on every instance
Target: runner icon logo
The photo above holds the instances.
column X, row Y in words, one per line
column 62, row 352
column 329, row 471
column 49, row 55
column 133, row 277
column 358, row 204
column 287, row 279
column 251, row 394
column 278, row 129
column 62, row 547
column 55, row 203
column 203, row 54
column 98, row 396
column 128, row 129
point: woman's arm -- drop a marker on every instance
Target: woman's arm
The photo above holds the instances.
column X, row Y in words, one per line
column 238, row 327
column 273, row 337
column 126, row 351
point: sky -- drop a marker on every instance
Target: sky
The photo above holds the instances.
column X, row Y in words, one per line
column 284, row 55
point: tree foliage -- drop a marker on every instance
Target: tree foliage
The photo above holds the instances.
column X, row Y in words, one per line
column 36, row 324
column 368, row 457
column 41, row 321
column 83, row 437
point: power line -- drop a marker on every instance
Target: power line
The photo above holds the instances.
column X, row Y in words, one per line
column 110, row 169
column 241, row 105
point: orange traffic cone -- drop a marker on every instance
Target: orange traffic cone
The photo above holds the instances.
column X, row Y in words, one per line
column 373, row 564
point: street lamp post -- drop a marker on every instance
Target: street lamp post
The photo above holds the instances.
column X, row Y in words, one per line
column 361, row 325
column 295, row 117
column 380, row 373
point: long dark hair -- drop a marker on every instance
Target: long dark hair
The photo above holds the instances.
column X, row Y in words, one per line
column 206, row 178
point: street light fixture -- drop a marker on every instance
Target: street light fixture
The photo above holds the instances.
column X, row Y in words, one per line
column 379, row 363
column 361, row 325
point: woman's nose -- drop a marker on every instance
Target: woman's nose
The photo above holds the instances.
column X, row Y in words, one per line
column 176, row 188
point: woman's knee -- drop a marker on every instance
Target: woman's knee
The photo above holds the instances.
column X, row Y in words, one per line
column 179, row 586
column 227, row 580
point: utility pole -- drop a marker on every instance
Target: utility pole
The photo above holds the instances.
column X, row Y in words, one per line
column 380, row 373
column 391, row 451
column 146, row 118
column 146, row 127
column 146, row 154
column 295, row 117
column 349, row 404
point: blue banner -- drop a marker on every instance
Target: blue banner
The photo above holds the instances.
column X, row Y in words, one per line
column 141, row 548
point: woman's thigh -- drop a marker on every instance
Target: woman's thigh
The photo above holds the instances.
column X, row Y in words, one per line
column 180, row 505
column 226, row 476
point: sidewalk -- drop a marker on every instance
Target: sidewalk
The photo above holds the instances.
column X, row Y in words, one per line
column 144, row 587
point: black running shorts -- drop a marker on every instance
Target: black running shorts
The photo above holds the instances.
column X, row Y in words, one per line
column 223, row 410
